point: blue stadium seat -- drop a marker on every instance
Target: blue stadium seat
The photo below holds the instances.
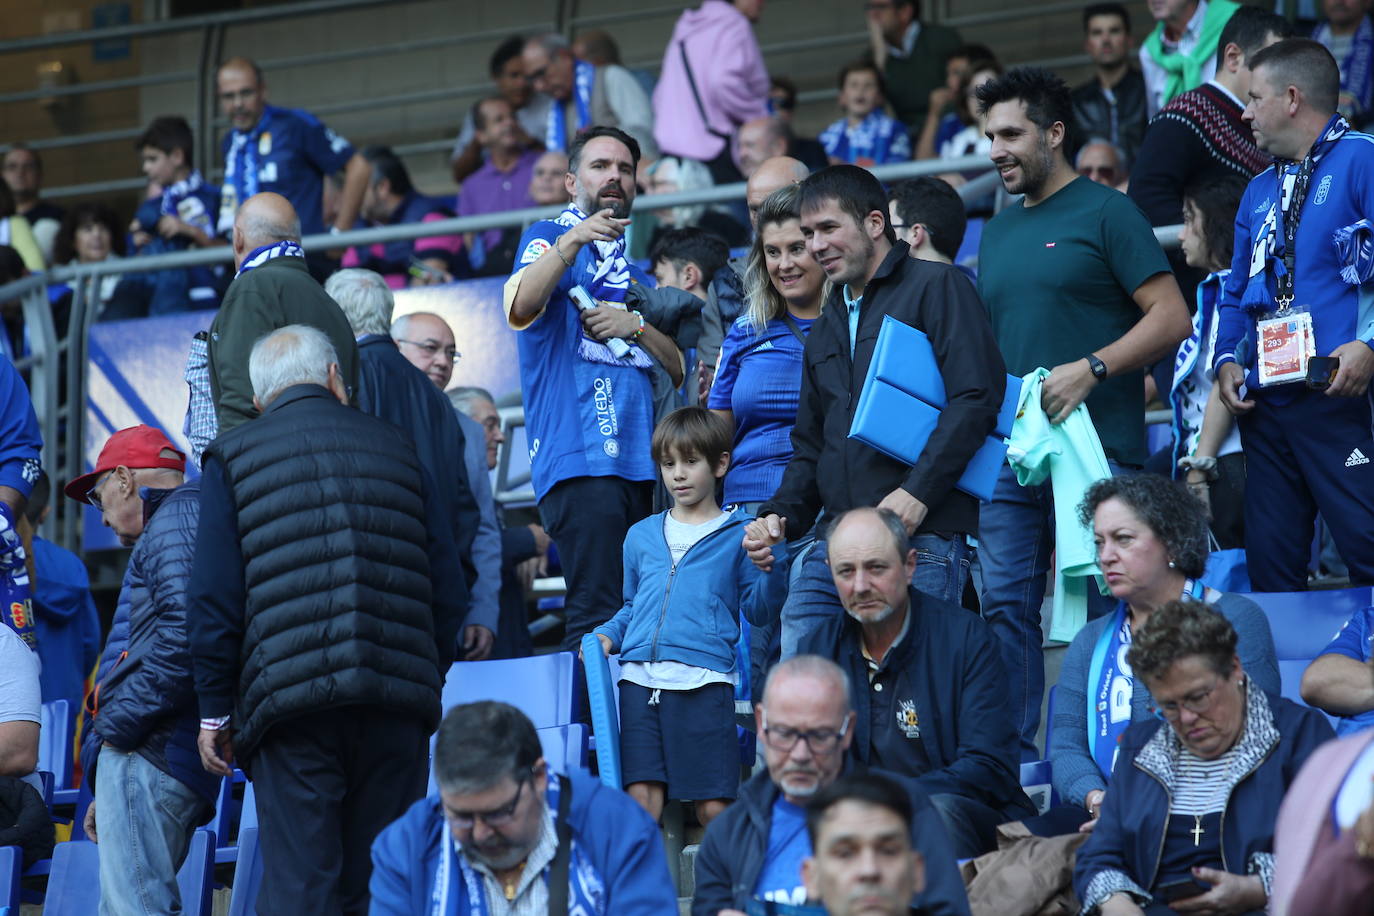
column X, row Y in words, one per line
column 55, row 746
column 1303, row 623
column 565, row 747
column 605, row 712
column 1035, row 780
column 196, row 877
column 74, row 885
column 248, row 820
column 247, row 874
column 11, row 866
column 543, row 687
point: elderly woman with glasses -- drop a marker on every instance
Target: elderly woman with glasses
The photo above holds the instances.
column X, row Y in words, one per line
column 1188, row 825
column 1151, row 536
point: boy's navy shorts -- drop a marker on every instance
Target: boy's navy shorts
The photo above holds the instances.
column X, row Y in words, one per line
column 686, row 740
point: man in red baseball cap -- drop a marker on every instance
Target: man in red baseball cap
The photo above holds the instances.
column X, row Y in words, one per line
column 138, row 750
column 140, row 456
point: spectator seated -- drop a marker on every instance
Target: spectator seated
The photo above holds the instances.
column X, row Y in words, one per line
column 391, row 199
column 867, row 135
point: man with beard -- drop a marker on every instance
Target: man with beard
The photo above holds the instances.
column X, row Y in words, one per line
column 845, row 221
column 755, row 849
column 507, row 836
column 589, row 410
column 1112, row 104
column 1075, row 283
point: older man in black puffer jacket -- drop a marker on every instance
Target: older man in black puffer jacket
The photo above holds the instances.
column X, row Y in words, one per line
column 325, row 602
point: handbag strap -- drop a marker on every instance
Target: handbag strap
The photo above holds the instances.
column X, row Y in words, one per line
column 558, row 869
column 696, row 96
column 795, row 328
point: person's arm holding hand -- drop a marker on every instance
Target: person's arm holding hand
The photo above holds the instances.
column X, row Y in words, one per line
column 605, row 323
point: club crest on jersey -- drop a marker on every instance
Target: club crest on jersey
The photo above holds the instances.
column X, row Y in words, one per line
column 265, row 143
column 1323, row 189
column 907, row 720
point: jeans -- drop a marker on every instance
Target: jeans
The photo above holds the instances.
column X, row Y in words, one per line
column 144, row 819
column 941, row 571
column 1015, row 544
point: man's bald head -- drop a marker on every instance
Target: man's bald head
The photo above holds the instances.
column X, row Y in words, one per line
column 426, row 340
column 772, row 174
column 264, row 219
column 759, row 140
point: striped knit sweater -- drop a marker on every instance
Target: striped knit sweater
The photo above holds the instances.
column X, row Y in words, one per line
column 1199, row 134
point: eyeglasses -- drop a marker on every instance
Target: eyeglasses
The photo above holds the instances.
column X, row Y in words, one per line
column 496, row 818
column 432, row 348
column 1104, row 171
column 820, row 740
column 1197, row 703
column 93, row 496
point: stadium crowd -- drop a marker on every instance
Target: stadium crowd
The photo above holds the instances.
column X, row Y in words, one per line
column 759, row 442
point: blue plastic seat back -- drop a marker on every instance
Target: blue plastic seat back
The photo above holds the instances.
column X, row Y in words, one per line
column 11, row 866
column 1035, row 780
column 55, row 742
column 1303, row 623
column 605, row 713
column 248, row 820
column 543, row 687
column 74, row 883
column 247, row 874
column 196, row 877
column 565, row 747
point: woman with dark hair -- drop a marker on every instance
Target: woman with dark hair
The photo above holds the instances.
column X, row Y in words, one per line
column 1151, row 537
column 758, row 378
column 1189, row 822
column 90, row 233
column 1206, row 443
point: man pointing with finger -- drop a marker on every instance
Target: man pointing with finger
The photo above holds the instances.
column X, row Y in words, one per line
column 589, row 410
column 844, row 219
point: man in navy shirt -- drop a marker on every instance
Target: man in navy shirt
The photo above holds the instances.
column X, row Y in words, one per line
column 285, row 150
column 1300, row 287
column 589, row 412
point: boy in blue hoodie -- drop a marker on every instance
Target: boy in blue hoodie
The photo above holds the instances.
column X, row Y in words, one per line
column 686, row 582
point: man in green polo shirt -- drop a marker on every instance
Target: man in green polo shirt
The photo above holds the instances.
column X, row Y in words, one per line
column 1074, row 282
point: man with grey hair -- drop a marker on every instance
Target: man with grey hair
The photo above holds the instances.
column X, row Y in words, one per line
column 271, row 289
column 1103, row 162
column 585, row 94
column 509, row 835
column 323, row 611
column 390, row 387
column 929, row 686
column 754, row 850
column 524, row 548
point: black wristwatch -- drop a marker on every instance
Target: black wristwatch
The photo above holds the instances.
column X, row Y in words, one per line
column 1098, row 366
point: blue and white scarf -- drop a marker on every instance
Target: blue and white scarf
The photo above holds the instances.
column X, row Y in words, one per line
column 260, row 256
column 556, row 136
column 876, row 140
column 609, row 284
column 173, row 196
column 1355, row 250
column 586, row 888
column 241, row 171
column 1266, row 257
column 1111, row 683
column 1357, row 70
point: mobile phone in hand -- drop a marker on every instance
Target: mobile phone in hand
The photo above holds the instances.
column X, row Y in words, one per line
column 1181, row 890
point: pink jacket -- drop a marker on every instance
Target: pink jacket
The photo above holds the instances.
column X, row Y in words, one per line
column 1303, row 820
column 730, row 76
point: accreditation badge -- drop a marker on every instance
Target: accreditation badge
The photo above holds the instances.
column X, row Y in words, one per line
column 1286, row 343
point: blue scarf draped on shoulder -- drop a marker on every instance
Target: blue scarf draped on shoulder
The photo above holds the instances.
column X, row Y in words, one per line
column 556, row 135
column 241, row 171
column 1266, row 258
column 586, row 887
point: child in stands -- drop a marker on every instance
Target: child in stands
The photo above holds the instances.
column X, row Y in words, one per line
column 687, row 580
column 867, row 135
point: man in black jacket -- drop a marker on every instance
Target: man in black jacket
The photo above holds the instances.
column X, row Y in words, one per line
column 754, row 850
column 391, row 387
column 1111, row 105
column 845, row 220
column 139, row 748
column 323, row 615
column 928, row 685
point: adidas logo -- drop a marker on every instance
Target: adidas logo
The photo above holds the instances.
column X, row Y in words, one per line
column 1356, row 458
